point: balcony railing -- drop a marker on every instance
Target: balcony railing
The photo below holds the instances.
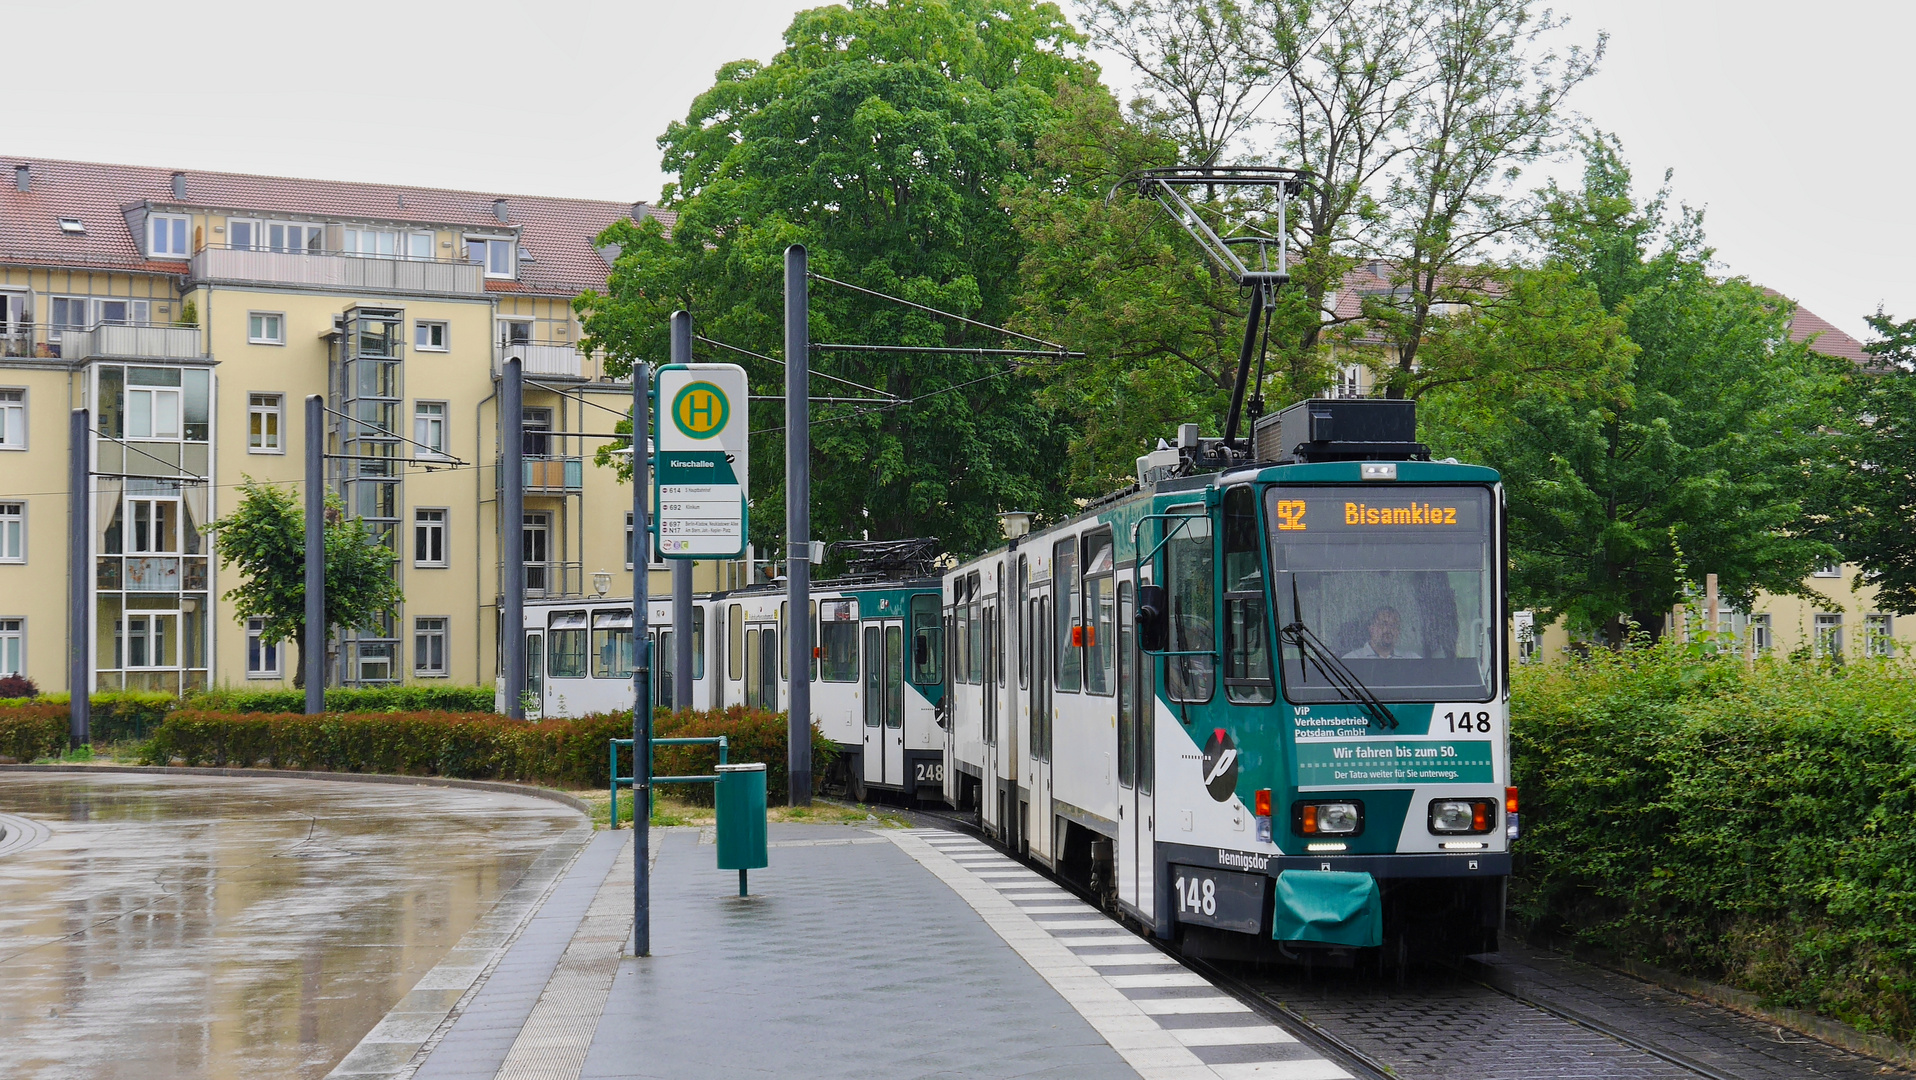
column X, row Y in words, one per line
column 550, row 579
column 328, row 270
column 101, row 341
column 541, row 359
column 551, row 475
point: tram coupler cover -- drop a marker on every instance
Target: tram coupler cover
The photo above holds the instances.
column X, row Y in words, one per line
column 1328, row 907
column 741, row 819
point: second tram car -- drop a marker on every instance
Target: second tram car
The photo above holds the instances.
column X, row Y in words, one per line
column 1260, row 707
column 876, row 672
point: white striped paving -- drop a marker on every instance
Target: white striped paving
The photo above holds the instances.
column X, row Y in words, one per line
column 995, row 886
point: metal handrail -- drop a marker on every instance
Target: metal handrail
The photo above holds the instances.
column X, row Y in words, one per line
column 395, row 257
column 626, row 781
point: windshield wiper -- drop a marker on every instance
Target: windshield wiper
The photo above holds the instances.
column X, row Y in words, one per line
column 1348, row 686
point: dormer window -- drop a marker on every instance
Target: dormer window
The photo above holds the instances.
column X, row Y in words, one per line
column 72, row 227
column 166, row 235
column 496, row 255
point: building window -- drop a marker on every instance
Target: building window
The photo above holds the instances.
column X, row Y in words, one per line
column 166, row 235
column 429, row 428
column 155, row 526
column 1829, row 635
column 375, row 242
column 533, row 535
column 262, row 658
column 152, row 413
column 1760, row 640
column 125, row 312
column 494, row 255
column 429, row 538
column 13, row 419
column 429, row 336
column 419, row 245
column 266, row 328
column 69, row 313
column 1877, row 635
column 263, row 418
column 293, row 239
column 515, row 332
column 243, row 235
column 13, row 532
column 13, row 646
column 1828, row 569
column 429, row 647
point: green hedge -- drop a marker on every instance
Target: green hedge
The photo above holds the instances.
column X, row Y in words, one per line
column 33, row 731
column 426, row 698
column 483, row 746
column 1754, row 826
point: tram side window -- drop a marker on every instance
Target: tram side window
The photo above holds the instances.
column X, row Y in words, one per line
column 735, row 642
column 1247, row 647
column 1127, row 690
column 974, row 632
column 814, row 650
column 1100, row 648
column 927, row 641
column 838, row 641
column 1189, row 565
column 1067, row 656
column 698, row 643
column 612, row 646
column 1024, row 625
column 565, row 645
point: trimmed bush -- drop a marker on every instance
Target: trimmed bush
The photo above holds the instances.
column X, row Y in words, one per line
column 429, row 698
column 478, row 746
column 15, row 687
column 1754, row 826
column 33, row 731
column 127, row 714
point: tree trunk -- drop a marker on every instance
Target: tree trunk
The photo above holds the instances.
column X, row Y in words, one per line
column 299, row 673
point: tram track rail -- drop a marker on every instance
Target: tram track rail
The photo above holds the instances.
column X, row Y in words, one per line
column 1385, row 1058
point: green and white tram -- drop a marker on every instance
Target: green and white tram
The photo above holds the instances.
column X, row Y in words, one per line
column 876, row 672
column 1259, row 701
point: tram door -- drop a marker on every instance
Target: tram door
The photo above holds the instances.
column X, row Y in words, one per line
column 1038, row 825
column 884, row 756
column 989, row 808
column 535, row 671
column 1137, row 750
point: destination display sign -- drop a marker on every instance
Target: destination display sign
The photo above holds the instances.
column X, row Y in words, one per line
column 702, row 475
column 1393, row 763
column 1344, row 509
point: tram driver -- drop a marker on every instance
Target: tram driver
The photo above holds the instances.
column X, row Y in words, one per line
column 1385, row 626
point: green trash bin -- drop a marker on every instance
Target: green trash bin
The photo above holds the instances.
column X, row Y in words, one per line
column 741, row 819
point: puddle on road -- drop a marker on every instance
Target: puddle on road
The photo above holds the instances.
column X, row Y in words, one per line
column 218, row 927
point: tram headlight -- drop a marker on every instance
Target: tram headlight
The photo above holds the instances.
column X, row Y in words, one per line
column 1452, row 817
column 1344, row 817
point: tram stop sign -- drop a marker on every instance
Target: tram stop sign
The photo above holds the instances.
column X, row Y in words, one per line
column 701, row 480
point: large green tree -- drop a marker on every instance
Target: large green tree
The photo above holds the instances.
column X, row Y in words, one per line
column 1873, row 514
column 882, row 137
column 1700, row 449
column 265, row 536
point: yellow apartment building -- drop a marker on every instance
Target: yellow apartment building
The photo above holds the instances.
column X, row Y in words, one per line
column 193, row 312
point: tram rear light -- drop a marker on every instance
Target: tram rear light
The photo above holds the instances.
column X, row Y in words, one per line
column 1307, row 820
column 1510, row 800
column 1261, row 802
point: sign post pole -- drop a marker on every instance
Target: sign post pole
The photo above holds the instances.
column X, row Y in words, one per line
column 798, row 523
column 641, row 663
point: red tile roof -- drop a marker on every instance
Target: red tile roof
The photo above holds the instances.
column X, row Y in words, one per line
column 1807, row 325
column 556, row 234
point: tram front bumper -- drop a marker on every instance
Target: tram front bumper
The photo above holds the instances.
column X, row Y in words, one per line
column 1328, row 907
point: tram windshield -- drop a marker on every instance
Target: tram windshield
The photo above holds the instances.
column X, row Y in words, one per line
column 1398, row 583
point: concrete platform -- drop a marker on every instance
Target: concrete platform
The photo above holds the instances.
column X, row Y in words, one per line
column 861, row 953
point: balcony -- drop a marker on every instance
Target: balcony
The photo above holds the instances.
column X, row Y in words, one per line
column 541, row 359
column 546, row 475
column 113, row 342
column 344, row 273
column 550, row 580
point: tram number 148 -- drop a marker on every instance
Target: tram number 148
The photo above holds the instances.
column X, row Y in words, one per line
column 1222, row 898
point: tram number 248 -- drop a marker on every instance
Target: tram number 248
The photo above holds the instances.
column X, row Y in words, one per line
column 929, row 772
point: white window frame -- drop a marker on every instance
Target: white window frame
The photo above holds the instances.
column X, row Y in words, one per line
column 421, row 440
column 254, row 629
column 494, row 245
column 54, row 326
column 1879, row 634
column 1828, row 570
column 13, row 418
column 255, row 233
column 501, row 323
column 13, row 630
column 445, row 335
column 1761, row 640
column 312, row 238
column 139, row 312
column 155, row 519
column 413, row 242
column 158, row 225
column 352, row 236
column 13, row 532
column 1826, row 633
column 420, row 633
column 262, row 337
column 269, row 407
column 441, row 526
column 155, row 395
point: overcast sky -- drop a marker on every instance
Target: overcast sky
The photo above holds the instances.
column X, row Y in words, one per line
column 1785, row 122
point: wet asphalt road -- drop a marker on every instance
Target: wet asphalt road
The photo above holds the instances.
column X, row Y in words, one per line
column 173, row 926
